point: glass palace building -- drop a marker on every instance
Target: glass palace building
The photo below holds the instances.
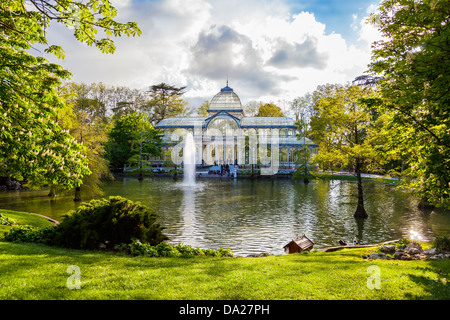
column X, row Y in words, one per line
column 227, row 137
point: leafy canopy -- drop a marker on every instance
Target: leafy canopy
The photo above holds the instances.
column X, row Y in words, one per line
column 413, row 61
column 131, row 137
column 269, row 110
column 32, row 144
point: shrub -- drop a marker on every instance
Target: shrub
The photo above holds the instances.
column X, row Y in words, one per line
column 163, row 249
column 441, row 243
column 137, row 248
column 187, row 250
column 6, row 221
column 402, row 243
column 111, row 222
column 166, row 250
column 25, row 233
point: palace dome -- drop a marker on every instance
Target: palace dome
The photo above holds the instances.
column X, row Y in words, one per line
column 225, row 100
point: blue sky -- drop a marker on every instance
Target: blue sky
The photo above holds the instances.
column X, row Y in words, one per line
column 271, row 51
column 336, row 14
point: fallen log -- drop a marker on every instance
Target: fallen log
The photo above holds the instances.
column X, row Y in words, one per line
column 331, row 249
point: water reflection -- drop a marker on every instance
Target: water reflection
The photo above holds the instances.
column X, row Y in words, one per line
column 263, row 215
column 189, row 223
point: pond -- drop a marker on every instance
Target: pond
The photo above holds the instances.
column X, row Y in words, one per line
column 254, row 216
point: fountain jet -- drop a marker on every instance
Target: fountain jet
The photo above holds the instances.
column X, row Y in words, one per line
column 189, row 160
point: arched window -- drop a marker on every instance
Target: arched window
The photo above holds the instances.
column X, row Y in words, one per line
column 226, row 125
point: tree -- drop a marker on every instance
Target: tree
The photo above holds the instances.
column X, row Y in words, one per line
column 99, row 99
column 131, row 137
column 303, row 110
column 32, row 144
column 252, row 107
column 202, row 111
column 301, row 107
column 413, row 61
column 165, row 102
column 341, row 125
column 88, row 126
column 269, row 110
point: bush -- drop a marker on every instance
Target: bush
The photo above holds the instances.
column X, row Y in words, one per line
column 25, row 233
column 163, row 249
column 6, row 221
column 441, row 243
column 110, row 222
column 402, row 243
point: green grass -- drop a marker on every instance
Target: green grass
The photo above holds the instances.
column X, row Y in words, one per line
column 23, row 218
column 31, row 271
column 330, row 176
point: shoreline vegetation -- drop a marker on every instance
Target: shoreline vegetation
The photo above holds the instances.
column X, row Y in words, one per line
column 324, row 175
column 35, row 271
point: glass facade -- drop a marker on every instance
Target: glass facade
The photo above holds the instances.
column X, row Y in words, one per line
column 226, row 136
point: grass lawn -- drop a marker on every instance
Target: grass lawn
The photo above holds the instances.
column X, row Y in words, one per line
column 23, row 218
column 30, row 271
column 331, row 176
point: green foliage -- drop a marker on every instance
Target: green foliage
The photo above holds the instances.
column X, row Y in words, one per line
column 26, row 233
column 402, row 243
column 342, row 124
column 413, row 62
column 131, row 138
column 32, row 144
column 269, row 110
column 163, row 249
column 111, row 222
column 441, row 243
column 85, row 119
column 6, row 221
column 164, row 102
column 202, row 111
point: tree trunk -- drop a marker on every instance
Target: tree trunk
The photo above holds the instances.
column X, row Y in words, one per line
column 52, row 192
column 77, row 194
column 360, row 211
column 175, row 175
column 425, row 204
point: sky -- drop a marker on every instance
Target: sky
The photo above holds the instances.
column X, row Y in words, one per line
column 269, row 50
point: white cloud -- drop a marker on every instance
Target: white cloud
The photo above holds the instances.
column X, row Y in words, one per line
column 266, row 52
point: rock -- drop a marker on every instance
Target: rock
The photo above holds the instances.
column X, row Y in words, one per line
column 259, row 255
column 413, row 248
column 379, row 255
column 101, row 246
column 431, row 251
column 264, row 254
column 413, row 251
column 399, row 255
column 405, row 257
column 388, row 248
